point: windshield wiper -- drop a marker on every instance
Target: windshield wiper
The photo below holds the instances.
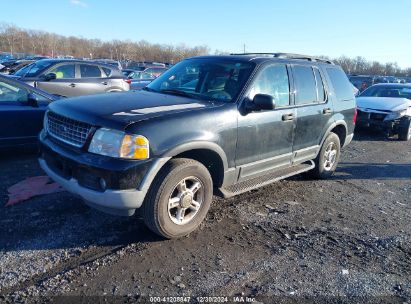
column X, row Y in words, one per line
column 177, row 92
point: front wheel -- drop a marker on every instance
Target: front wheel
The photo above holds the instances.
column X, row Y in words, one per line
column 405, row 132
column 178, row 199
column 328, row 157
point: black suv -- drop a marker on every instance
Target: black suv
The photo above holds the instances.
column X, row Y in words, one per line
column 210, row 125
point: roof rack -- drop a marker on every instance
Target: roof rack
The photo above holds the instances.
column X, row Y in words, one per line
column 288, row 56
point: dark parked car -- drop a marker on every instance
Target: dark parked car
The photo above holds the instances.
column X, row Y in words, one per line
column 21, row 112
column 67, row 77
column 242, row 122
column 12, row 66
column 361, row 82
column 140, row 79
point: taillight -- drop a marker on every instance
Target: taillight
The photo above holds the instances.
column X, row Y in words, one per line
column 128, row 80
column 354, row 119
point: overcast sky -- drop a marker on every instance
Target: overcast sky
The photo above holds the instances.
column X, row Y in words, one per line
column 377, row 30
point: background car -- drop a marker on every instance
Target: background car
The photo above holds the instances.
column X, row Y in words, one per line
column 140, row 79
column 387, row 107
column 68, row 77
column 10, row 67
column 22, row 109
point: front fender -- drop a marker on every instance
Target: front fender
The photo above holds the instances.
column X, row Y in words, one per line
column 194, row 145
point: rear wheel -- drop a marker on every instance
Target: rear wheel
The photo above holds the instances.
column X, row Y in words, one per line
column 178, row 199
column 405, row 131
column 328, row 157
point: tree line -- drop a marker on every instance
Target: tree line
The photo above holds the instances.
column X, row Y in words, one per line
column 17, row 40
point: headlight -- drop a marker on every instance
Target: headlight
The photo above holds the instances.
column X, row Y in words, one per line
column 119, row 144
column 395, row 115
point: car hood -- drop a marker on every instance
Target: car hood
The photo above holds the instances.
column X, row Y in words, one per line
column 118, row 110
column 383, row 103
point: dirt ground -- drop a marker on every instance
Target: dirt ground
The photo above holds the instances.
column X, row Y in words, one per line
column 347, row 239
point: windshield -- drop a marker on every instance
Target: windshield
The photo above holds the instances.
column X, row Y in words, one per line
column 387, row 91
column 211, row 79
column 33, row 69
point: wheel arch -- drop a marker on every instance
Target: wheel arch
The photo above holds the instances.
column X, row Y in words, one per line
column 209, row 154
column 339, row 128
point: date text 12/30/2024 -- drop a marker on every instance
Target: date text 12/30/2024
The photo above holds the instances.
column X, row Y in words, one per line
column 187, row 299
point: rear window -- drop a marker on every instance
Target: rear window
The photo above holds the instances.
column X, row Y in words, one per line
column 342, row 87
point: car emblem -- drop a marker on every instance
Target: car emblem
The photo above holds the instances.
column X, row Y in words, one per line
column 63, row 129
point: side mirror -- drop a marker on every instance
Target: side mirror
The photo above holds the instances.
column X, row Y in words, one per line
column 32, row 100
column 263, row 102
column 50, row 76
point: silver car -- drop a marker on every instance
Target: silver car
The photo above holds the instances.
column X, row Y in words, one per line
column 67, row 77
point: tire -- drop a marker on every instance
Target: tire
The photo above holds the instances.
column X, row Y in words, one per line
column 323, row 170
column 168, row 188
column 405, row 132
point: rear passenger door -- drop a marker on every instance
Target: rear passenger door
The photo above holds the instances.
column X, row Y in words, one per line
column 90, row 80
column 314, row 111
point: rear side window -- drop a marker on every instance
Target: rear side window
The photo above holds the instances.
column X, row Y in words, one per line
column 87, row 71
column 106, row 71
column 342, row 86
column 305, row 84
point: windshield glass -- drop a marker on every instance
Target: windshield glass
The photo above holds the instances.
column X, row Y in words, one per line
column 33, row 69
column 387, row 91
column 211, row 79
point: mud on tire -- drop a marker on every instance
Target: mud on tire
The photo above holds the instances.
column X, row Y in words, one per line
column 178, row 199
column 327, row 160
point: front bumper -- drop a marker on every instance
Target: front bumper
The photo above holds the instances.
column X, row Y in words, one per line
column 126, row 182
column 117, row 202
column 377, row 121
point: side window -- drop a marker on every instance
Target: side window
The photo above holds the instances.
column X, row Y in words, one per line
column 147, row 75
column 273, row 80
column 342, row 87
column 306, row 86
column 320, row 86
column 64, row 71
column 89, row 71
column 106, row 71
column 12, row 93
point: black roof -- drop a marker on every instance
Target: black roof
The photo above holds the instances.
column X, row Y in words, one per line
column 261, row 57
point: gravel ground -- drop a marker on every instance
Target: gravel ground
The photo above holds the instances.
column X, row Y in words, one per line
column 347, row 239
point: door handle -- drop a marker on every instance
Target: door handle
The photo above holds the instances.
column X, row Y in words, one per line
column 72, row 85
column 288, row 117
column 327, row 111
column 104, row 82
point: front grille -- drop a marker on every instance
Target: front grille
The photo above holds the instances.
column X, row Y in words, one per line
column 67, row 130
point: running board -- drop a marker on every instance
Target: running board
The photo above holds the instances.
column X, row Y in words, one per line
column 264, row 180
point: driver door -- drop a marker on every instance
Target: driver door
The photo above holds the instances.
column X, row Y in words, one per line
column 65, row 82
column 20, row 123
column 265, row 138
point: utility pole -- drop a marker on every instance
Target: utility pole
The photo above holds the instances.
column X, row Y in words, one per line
column 244, row 48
